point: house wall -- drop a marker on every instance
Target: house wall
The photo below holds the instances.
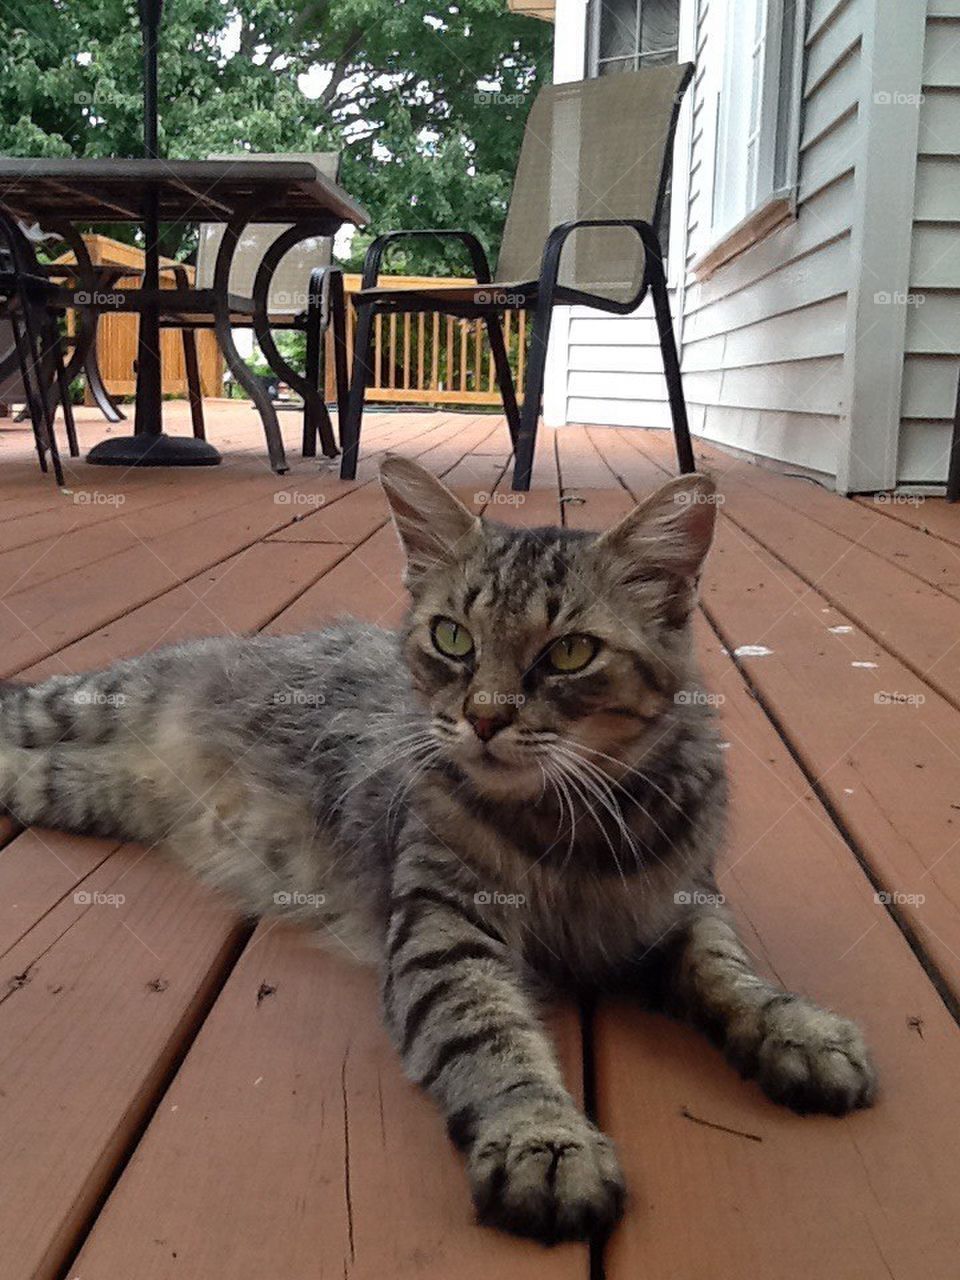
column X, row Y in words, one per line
column 932, row 344
column 764, row 336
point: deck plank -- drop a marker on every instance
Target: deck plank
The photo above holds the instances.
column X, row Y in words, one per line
column 307, row 1076
column 361, row 1180
column 810, row 917
column 884, row 726
column 244, row 592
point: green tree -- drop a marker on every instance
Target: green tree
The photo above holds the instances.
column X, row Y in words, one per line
column 426, row 100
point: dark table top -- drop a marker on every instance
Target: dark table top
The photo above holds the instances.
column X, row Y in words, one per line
column 195, row 190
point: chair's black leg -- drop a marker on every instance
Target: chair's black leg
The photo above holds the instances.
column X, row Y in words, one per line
column 33, row 328
column 362, row 372
column 312, row 371
column 671, row 365
column 501, row 363
column 194, row 388
column 338, row 317
column 533, row 391
column 64, row 386
column 953, row 471
column 26, row 359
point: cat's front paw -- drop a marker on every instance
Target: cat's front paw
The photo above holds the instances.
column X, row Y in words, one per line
column 807, row 1058
column 553, row 1177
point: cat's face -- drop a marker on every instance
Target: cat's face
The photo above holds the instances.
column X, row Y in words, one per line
column 544, row 652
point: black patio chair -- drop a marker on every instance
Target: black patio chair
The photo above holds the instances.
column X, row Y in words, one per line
column 582, row 228
column 32, row 363
column 277, row 281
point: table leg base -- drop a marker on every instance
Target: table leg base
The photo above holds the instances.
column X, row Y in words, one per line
column 153, row 451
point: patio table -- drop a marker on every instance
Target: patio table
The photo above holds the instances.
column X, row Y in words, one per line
column 59, row 193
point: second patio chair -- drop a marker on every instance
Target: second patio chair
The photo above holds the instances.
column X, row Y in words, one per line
column 581, row 229
column 305, row 293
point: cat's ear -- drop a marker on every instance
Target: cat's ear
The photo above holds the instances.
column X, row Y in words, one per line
column 666, row 536
column 434, row 526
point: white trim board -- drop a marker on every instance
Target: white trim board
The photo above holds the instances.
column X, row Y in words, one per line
column 893, row 48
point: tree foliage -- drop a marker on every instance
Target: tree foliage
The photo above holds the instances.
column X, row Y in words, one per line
column 426, row 100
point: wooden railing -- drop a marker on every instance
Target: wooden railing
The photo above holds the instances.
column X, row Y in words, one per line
column 117, row 332
column 433, row 359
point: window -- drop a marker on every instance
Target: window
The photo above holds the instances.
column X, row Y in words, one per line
column 754, row 49
column 625, row 35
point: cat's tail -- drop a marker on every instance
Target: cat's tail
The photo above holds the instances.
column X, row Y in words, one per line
column 68, row 758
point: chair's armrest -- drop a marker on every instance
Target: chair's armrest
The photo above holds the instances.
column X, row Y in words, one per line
column 318, row 294
column 550, row 262
column 478, row 257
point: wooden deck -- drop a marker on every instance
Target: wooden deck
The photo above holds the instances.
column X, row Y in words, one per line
column 181, row 1096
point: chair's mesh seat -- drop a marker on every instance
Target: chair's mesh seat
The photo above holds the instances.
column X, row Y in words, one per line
column 288, row 288
column 593, row 149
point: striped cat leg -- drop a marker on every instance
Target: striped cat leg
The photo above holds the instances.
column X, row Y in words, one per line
column 801, row 1055
column 90, row 790
column 469, row 1034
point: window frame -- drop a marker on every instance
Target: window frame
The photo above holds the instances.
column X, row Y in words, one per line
column 769, row 195
column 593, row 59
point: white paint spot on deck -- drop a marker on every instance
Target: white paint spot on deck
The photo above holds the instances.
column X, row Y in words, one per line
column 867, row 666
column 752, row 651
column 839, row 631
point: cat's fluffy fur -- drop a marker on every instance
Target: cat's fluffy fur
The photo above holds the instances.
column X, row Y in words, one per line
column 475, row 826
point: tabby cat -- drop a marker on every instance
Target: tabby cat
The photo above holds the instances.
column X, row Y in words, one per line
column 521, row 791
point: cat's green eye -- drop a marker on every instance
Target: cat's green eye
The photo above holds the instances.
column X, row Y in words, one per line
column 572, row 653
column 451, row 639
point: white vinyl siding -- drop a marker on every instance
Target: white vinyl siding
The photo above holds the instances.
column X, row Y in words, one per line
column 932, row 346
column 763, row 337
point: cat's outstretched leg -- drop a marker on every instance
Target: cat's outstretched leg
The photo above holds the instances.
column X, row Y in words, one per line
column 801, row 1055
column 469, row 1034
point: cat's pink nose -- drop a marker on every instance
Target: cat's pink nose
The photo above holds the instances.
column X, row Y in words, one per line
column 486, row 726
